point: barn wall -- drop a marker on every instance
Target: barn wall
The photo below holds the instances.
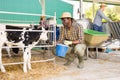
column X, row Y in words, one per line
column 59, row 7
column 33, row 7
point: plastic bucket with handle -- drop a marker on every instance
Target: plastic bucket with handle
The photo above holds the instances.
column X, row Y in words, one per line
column 61, row 50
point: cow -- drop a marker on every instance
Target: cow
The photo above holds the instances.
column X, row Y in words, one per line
column 27, row 38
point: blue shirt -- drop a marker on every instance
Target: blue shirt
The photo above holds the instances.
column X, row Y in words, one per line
column 99, row 16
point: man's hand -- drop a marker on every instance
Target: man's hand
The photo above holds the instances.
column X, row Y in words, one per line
column 66, row 42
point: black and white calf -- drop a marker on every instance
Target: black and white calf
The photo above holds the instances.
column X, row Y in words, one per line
column 27, row 38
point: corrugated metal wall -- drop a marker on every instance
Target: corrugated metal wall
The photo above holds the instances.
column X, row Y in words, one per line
column 115, row 29
column 33, row 7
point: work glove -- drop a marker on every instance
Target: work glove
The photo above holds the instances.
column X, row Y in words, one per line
column 66, row 42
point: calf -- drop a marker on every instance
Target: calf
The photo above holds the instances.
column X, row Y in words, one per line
column 24, row 37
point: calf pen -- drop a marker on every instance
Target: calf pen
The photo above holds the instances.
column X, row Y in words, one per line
column 25, row 23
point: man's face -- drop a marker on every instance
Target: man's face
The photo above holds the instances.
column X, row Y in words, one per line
column 66, row 21
column 103, row 8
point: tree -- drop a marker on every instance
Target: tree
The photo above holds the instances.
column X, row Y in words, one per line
column 111, row 12
column 114, row 13
column 89, row 12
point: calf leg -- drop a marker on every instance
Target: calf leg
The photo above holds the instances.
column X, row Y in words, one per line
column 1, row 65
column 25, row 58
column 8, row 51
column 29, row 60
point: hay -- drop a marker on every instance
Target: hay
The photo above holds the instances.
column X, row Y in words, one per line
column 39, row 70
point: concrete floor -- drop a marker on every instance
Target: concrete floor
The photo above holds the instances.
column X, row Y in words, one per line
column 106, row 67
column 94, row 69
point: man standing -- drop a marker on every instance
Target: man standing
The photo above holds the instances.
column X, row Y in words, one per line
column 97, row 23
column 72, row 34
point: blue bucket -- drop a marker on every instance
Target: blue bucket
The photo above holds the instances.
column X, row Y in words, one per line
column 61, row 50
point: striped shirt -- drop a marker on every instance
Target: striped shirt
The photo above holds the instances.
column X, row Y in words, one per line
column 74, row 33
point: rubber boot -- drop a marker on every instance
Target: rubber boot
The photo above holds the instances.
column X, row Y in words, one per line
column 70, row 56
column 80, row 61
column 69, row 61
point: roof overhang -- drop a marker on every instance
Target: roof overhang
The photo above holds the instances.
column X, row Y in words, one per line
column 104, row 1
column 108, row 1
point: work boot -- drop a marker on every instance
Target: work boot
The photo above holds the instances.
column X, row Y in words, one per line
column 81, row 65
column 69, row 61
column 80, row 61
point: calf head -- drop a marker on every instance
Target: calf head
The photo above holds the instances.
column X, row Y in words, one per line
column 43, row 35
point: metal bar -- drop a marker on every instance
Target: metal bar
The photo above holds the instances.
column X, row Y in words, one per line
column 112, row 29
column 27, row 46
column 17, row 20
column 96, row 52
column 53, row 59
column 87, row 52
column 43, row 60
column 6, row 12
column 118, row 29
column 27, row 30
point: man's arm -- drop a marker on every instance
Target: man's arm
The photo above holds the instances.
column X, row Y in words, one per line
column 103, row 16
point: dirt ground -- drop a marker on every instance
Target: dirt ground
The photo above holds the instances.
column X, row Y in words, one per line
column 94, row 69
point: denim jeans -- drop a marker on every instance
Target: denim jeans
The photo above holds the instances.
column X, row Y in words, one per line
column 97, row 28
